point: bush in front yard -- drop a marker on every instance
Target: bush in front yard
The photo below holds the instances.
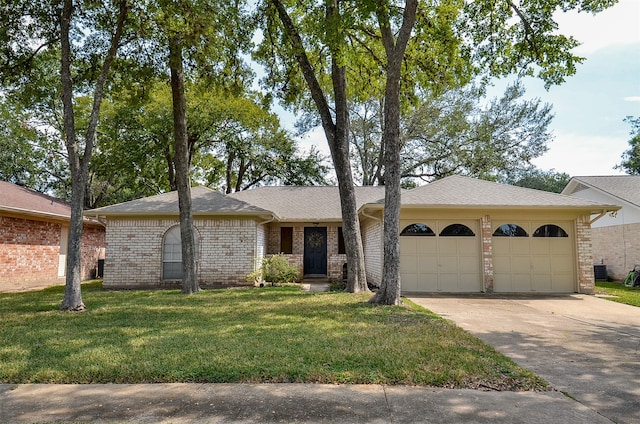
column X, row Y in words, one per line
column 275, row 270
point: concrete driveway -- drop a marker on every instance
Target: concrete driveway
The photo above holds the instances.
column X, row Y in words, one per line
column 584, row 346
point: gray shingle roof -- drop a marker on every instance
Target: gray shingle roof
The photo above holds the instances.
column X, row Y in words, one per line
column 204, row 201
column 16, row 198
column 624, row 187
column 471, row 192
column 292, row 203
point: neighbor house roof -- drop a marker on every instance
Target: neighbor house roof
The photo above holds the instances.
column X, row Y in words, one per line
column 294, row 203
column 18, row 199
column 458, row 191
column 623, row 187
column 204, row 201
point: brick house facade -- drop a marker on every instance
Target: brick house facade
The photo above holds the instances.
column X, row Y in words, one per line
column 615, row 237
column 453, row 240
column 33, row 240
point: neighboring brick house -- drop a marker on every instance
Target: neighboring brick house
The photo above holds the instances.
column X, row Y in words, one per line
column 34, row 229
column 457, row 235
column 616, row 236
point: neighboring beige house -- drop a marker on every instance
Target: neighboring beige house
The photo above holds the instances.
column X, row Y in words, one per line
column 34, row 230
column 615, row 236
column 458, row 235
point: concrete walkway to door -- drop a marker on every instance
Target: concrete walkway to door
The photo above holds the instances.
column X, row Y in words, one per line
column 584, row 346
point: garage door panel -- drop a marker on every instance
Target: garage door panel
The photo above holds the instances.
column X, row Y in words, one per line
column 428, row 282
column 447, row 246
column 535, row 264
column 541, row 264
column 408, row 245
column 409, row 264
column 521, row 282
column 468, row 282
column 440, row 263
column 427, row 245
column 520, row 246
column 501, row 245
column 561, row 265
column 520, row 264
column 409, row 281
column 468, row 265
column 468, row 247
column 542, row 283
column 448, row 264
column 560, row 246
column 501, row 265
column 428, row 265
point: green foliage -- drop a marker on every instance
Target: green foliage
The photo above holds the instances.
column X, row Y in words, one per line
column 631, row 157
column 532, row 177
column 269, row 335
column 275, row 270
column 455, row 132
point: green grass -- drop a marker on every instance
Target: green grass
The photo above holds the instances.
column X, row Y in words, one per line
column 273, row 334
column 619, row 293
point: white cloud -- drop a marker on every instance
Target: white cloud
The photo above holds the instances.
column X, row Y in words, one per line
column 619, row 24
column 583, row 155
column 632, row 99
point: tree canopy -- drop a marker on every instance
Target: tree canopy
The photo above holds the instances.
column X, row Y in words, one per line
column 631, row 157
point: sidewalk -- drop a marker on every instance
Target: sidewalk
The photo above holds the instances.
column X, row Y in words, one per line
column 281, row 403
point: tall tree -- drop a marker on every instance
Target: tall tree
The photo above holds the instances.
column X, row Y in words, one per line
column 209, row 37
column 395, row 45
column 79, row 158
column 455, row 133
column 334, row 118
column 85, row 37
column 631, row 157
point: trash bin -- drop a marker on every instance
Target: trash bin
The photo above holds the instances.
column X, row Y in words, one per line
column 600, row 272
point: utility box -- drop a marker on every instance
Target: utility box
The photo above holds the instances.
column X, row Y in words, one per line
column 600, row 272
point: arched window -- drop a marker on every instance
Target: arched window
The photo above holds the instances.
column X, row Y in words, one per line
column 510, row 230
column 172, row 254
column 417, row 230
column 550, row 230
column 457, row 230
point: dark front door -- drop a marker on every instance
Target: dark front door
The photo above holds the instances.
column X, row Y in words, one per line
column 315, row 251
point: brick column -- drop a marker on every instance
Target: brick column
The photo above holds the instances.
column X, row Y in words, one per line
column 487, row 254
column 586, row 278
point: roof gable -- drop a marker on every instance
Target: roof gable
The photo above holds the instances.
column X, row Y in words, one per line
column 295, row 203
column 203, row 201
column 470, row 192
column 619, row 187
column 20, row 199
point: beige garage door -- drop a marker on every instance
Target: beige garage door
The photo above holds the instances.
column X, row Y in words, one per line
column 441, row 256
column 534, row 257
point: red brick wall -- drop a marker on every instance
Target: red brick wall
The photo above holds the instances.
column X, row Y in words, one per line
column 92, row 248
column 30, row 251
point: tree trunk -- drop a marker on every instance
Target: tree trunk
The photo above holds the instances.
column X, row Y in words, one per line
column 181, row 159
column 356, row 274
column 79, row 166
column 389, row 293
column 337, row 138
column 72, row 294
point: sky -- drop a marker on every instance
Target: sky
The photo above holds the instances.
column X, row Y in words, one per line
column 590, row 135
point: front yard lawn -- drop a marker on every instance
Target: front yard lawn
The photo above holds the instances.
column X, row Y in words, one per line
column 617, row 292
column 272, row 334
